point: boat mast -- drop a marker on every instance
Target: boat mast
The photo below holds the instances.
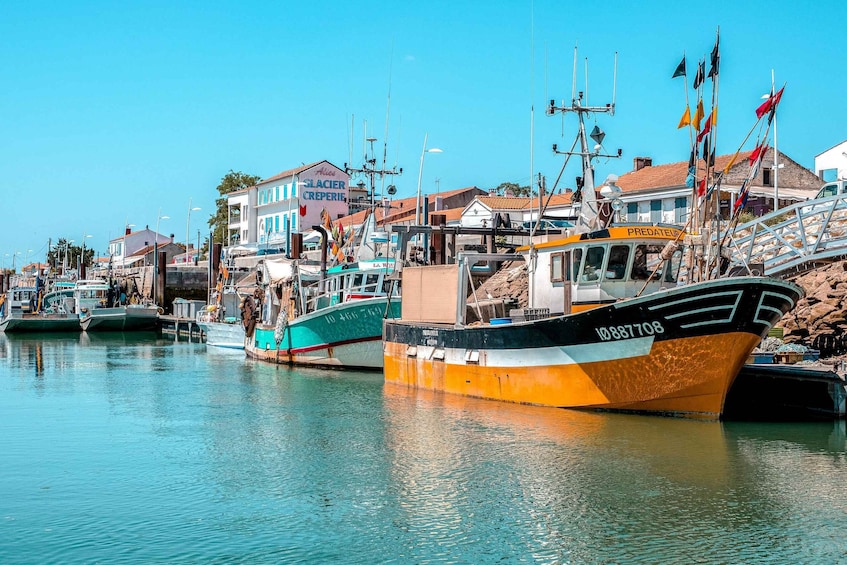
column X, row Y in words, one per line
column 589, row 213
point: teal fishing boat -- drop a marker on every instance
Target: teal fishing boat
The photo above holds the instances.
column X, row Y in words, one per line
column 299, row 316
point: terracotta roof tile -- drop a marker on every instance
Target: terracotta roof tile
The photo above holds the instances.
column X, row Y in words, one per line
column 401, row 210
column 672, row 174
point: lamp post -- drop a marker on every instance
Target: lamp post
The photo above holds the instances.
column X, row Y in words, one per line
column 188, row 226
column 424, row 151
column 156, row 252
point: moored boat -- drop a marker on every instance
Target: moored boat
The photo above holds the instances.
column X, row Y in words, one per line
column 333, row 320
column 218, row 321
column 98, row 310
column 613, row 321
column 52, row 311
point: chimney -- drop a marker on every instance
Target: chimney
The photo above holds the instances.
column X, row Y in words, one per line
column 127, row 231
column 639, row 163
column 492, row 192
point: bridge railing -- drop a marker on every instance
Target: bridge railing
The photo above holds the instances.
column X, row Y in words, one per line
column 794, row 238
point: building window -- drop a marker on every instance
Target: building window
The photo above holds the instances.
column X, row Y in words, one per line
column 632, row 212
column 767, row 177
column 655, row 211
column 680, row 210
column 276, row 222
column 276, row 194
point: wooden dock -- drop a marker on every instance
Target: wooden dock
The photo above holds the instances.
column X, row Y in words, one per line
column 181, row 327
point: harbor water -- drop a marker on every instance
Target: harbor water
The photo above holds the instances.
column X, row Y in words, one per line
column 133, row 449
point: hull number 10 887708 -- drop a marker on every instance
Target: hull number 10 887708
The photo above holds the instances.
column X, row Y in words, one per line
column 629, row 331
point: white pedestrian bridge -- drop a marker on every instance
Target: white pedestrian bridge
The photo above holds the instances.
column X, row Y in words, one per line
column 793, row 239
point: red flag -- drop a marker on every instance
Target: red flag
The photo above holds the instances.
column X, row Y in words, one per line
column 769, row 104
column 701, row 190
column 706, row 128
column 757, row 153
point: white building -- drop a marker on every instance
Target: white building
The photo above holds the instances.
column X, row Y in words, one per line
column 267, row 214
column 832, row 164
column 482, row 211
column 659, row 193
column 123, row 250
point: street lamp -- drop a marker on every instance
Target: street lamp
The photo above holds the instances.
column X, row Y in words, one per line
column 420, row 175
column 424, row 151
column 188, row 226
column 156, row 252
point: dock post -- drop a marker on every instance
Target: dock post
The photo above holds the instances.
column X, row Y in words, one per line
column 161, row 278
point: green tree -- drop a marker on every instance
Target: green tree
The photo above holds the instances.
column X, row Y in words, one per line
column 513, row 188
column 230, row 182
column 68, row 254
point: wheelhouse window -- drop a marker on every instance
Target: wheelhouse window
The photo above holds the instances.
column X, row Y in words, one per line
column 618, row 261
column 557, row 267
column 593, row 263
column 647, row 260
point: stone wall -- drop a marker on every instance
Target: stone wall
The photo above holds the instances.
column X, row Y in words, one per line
column 819, row 320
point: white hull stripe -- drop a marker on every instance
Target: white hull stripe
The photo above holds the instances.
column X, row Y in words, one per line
column 688, row 313
column 761, row 306
column 543, row 356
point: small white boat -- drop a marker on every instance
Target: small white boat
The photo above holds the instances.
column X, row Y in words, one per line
column 98, row 311
column 227, row 333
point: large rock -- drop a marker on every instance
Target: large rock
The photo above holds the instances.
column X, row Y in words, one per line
column 821, row 312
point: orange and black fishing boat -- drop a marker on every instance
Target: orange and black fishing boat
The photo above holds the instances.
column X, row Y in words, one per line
column 614, row 320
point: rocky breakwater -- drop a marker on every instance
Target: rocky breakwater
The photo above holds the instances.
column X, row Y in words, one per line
column 819, row 321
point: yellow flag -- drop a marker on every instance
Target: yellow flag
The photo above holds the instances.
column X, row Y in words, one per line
column 686, row 118
column 730, row 164
column 698, row 115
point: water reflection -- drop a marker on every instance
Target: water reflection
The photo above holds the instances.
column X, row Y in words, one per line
column 217, row 457
column 585, row 484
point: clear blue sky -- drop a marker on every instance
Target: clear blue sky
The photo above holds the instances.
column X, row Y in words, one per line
column 112, row 112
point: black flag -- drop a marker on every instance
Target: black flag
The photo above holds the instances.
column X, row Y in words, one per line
column 701, row 71
column 680, row 69
column 716, row 58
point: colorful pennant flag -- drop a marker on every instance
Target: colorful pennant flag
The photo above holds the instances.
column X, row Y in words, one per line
column 680, row 69
column 701, row 190
column 716, row 58
column 707, row 127
column 700, row 75
column 689, row 178
column 686, row 118
column 769, row 104
column 757, row 153
column 698, row 115
column 743, row 194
